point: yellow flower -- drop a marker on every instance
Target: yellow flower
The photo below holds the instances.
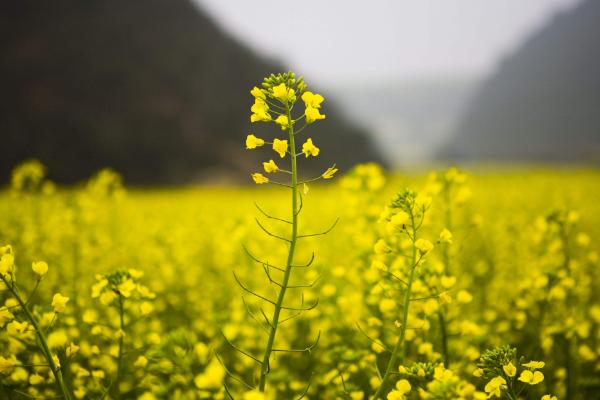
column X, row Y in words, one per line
column 6, row 263
column 259, row 178
column 424, row 246
column 478, row 373
column 381, row 247
column 445, row 236
column 260, row 111
column 509, row 369
column 36, row 379
column 16, row 328
column 107, row 297
column 531, row 377
column 280, row 146
column 59, row 302
column 403, row 386
column 535, row 364
column 126, row 287
column 395, row 395
column 258, row 93
column 254, row 395
column 141, row 362
column 447, row 281
column 330, row 172
column 253, row 142
column 270, row 167
column 312, row 114
column 146, row 308
column 549, row 397
column 399, row 219
column 312, row 100
column 309, row 149
column 283, row 93
column 72, row 350
column 7, row 365
column 40, row 268
column 283, row 121
column 495, row 386
column 5, row 316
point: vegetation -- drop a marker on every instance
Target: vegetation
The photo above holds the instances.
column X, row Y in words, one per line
column 463, row 287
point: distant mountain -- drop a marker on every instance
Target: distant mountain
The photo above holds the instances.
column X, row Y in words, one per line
column 152, row 88
column 543, row 102
column 409, row 118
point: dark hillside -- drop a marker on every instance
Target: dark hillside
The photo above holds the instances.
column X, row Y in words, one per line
column 151, row 88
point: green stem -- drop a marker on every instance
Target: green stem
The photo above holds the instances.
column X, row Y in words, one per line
column 290, row 259
column 398, row 352
column 42, row 342
column 115, row 385
column 446, row 258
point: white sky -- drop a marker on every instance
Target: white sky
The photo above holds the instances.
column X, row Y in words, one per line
column 334, row 41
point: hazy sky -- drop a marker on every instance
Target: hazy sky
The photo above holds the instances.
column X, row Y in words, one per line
column 333, row 41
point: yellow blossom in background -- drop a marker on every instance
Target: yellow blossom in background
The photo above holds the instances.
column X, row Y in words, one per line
column 495, row 386
column 309, row 149
column 446, row 236
column 40, row 268
column 395, row 395
column 259, row 178
column 403, row 386
column 59, row 302
column 71, row 350
column 36, row 379
column 510, row 369
column 399, row 220
column 127, row 287
column 7, row 365
column 270, row 167
column 107, row 297
column 6, row 263
column 531, row 377
column 534, row 364
column 254, row 395
column 5, row 316
column 381, row 247
column 424, row 246
column 253, row 142
column 549, row 397
column 141, row 362
column 280, row 146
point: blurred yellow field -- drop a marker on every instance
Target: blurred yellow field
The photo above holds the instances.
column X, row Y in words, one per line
column 517, row 266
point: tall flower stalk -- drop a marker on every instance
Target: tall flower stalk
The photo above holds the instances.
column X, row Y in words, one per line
column 275, row 102
column 406, row 214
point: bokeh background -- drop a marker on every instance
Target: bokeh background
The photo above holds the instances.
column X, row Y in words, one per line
column 158, row 89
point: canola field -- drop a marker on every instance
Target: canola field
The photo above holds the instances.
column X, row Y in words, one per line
column 350, row 285
column 517, row 265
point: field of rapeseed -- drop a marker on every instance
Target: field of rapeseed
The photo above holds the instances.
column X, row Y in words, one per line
column 367, row 285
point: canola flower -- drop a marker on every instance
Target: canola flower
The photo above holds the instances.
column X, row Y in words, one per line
column 278, row 96
column 522, row 275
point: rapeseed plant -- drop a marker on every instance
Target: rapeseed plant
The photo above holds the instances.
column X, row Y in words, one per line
column 274, row 102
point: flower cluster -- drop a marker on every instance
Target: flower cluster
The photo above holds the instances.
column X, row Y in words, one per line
column 274, row 102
